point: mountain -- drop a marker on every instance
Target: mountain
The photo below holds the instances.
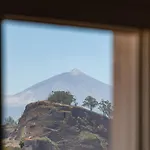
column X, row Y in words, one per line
column 75, row 81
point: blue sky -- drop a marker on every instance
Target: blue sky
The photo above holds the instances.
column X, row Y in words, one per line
column 33, row 53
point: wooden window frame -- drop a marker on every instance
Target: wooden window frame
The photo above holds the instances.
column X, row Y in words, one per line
column 130, row 128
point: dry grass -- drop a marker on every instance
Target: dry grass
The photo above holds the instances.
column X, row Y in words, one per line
column 85, row 135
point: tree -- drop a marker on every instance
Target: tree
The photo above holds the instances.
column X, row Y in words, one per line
column 75, row 101
column 9, row 121
column 90, row 102
column 106, row 107
column 63, row 97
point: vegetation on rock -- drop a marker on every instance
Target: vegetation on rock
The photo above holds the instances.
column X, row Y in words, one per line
column 85, row 135
column 106, row 107
column 9, row 121
column 63, row 97
column 90, row 102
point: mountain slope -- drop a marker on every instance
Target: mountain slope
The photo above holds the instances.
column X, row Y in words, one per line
column 77, row 82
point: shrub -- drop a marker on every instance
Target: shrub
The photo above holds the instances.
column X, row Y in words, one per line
column 21, row 143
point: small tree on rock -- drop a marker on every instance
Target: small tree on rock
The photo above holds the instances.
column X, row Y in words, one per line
column 21, row 143
column 106, row 107
column 63, row 97
column 90, row 102
column 75, row 101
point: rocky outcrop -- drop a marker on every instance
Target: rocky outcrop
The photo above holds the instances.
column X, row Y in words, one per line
column 64, row 127
column 8, row 130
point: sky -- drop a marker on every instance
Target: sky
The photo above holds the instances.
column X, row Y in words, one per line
column 35, row 52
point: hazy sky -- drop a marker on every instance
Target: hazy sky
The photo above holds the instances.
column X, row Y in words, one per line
column 33, row 53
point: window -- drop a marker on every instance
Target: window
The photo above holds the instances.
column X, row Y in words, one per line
column 54, row 88
column 138, row 120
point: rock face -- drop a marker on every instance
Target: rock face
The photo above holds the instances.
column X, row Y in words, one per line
column 7, row 130
column 10, row 144
column 49, row 126
column 40, row 144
